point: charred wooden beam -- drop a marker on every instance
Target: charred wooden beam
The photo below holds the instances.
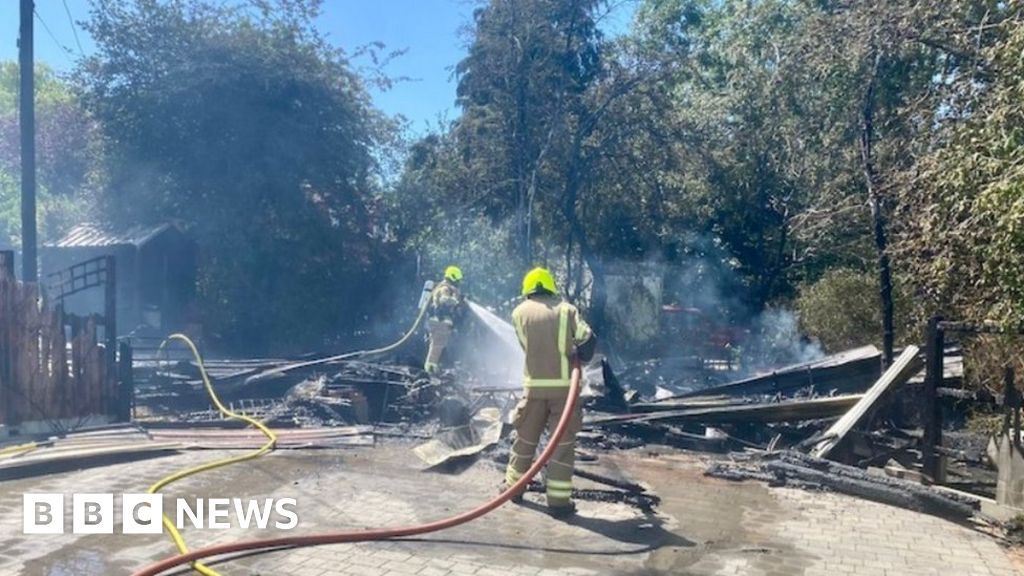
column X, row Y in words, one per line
column 761, row 412
column 901, row 370
column 980, row 327
column 791, row 468
column 847, row 372
column 932, row 412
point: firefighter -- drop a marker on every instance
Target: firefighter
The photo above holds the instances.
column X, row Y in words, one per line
column 446, row 306
column 552, row 334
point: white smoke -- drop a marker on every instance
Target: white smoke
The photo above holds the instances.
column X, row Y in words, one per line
column 776, row 340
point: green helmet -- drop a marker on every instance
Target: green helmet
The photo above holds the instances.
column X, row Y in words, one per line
column 453, row 274
column 538, row 279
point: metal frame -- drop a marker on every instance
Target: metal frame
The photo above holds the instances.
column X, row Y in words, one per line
column 79, row 277
column 93, row 273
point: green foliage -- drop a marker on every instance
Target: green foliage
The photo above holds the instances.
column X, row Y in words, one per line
column 67, row 157
column 51, row 89
column 841, row 310
column 961, row 234
column 751, row 145
column 502, row 185
column 985, row 425
column 247, row 127
column 420, row 211
column 522, row 89
column 783, row 134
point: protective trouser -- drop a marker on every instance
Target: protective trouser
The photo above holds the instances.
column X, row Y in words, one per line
column 439, row 333
column 540, row 408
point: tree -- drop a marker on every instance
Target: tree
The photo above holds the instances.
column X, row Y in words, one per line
column 807, row 112
column 521, row 88
column 893, row 56
column 68, row 156
column 961, row 204
column 751, row 146
column 246, row 126
column 740, row 135
column 840, row 310
column 504, row 181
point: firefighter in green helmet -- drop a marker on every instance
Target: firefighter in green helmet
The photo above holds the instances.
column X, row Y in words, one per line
column 553, row 335
column 446, row 306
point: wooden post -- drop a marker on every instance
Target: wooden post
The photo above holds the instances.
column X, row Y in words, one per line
column 126, row 384
column 1008, row 403
column 7, row 285
column 110, row 323
column 932, row 413
column 7, row 262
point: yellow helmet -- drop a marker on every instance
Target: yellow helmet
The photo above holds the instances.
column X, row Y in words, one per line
column 538, row 279
column 453, row 274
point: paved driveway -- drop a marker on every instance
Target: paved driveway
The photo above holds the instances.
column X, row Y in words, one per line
column 703, row 527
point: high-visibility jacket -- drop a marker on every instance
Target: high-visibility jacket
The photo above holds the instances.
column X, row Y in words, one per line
column 549, row 331
column 445, row 301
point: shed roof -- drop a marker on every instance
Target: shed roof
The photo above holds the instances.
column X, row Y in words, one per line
column 92, row 235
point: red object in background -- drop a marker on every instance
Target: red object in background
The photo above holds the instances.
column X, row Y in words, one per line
column 692, row 333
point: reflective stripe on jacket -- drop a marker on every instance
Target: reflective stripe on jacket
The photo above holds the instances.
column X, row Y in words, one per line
column 548, row 330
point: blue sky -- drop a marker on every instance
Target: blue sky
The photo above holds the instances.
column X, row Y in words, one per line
column 428, row 29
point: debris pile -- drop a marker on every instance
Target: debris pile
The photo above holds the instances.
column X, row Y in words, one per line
column 781, row 426
column 778, row 409
column 792, row 468
column 341, row 393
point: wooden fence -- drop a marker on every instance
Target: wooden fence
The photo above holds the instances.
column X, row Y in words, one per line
column 43, row 376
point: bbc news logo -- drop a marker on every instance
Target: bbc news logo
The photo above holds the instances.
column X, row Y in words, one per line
column 143, row 513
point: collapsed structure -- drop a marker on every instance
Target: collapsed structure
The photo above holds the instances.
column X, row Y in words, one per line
column 840, row 423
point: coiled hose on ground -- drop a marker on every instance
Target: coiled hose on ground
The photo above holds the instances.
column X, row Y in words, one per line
column 193, row 557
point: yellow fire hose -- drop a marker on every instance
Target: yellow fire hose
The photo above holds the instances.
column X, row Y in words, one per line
column 18, row 449
column 340, row 357
column 268, row 544
column 179, row 541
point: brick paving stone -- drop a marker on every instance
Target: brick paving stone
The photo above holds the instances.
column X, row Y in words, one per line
column 465, row 568
column 400, row 567
column 364, row 571
column 704, row 527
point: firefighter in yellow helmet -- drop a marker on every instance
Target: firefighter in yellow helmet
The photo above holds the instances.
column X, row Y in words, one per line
column 552, row 334
column 446, row 307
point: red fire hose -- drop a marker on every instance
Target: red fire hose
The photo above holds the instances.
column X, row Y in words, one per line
column 383, row 533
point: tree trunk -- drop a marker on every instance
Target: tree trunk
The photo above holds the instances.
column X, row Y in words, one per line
column 878, row 224
column 520, row 142
column 598, row 296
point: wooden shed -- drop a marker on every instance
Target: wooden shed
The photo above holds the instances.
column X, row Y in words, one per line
column 155, row 271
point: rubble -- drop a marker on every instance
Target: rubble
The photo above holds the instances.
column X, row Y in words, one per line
column 788, row 419
column 248, row 438
column 745, row 412
column 482, row 433
column 800, row 470
column 95, row 447
column 847, row 372
column 908, row 364
column 643, row 501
